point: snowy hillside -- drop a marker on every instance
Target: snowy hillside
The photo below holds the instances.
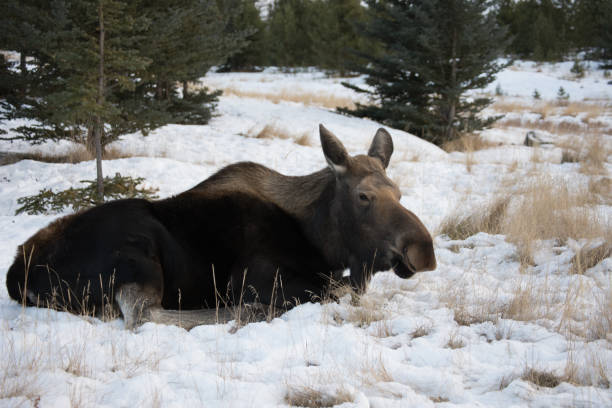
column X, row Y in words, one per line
column 504, row 321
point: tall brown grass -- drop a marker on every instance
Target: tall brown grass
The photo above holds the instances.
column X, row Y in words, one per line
column 308, row 98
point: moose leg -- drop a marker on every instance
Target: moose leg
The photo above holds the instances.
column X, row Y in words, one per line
column 140, row 304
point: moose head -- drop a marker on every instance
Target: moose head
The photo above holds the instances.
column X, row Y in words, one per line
column 377, row 232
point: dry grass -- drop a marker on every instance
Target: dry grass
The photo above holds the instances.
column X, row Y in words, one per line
column 542, row 208
column 594, row 158
column 383, row 329
column 488, row 218
column 304, row 140
column 549, row 108
column 530, row 301
column 588, row 256
column 373, row 371
column 370, row 309
column 506, row 380
column 455, row 341
column 270, row 131
column 552, row 208
column 599, row 324
column 589, row 369
column 468, row 143
column 590, row 150
column 470, row 303
column 76, row 154
column 559, row 127
column 310, row 397
column 308, row 98
column 541, row 378
column 18, row 378
column 422, row 330
column 274, row 131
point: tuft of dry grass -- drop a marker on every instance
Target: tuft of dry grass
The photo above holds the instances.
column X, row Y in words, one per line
column 370, row 309
column 383, row 329
column 595, row 155
column 455, row 341
column 488, row 218
column 506, row 380
column 587, row 370
column 470, row 303
column 541, row 378
column 422, row 330
column 530, row 300
column 273, row 131
column 18, row 370
column 270, row 131
column 468, row 142
column 304, row 140
column 309, row 397
column 588, row 256
column 373, row 371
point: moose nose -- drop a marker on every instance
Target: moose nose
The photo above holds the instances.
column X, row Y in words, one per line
column 421, row 255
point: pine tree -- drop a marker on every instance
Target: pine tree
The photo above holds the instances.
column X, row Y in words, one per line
column 255, row 53
column 334, row 34
column 434, row 52
column 183, row 43
column 593, row 28
column 539, row 29
column 289, row 24
column 104, row 68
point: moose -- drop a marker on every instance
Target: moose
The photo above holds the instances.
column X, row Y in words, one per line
column 271, row 239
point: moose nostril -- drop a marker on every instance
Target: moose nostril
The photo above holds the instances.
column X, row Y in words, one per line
column 421, row 256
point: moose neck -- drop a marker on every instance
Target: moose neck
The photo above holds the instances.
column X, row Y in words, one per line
column 311, row 200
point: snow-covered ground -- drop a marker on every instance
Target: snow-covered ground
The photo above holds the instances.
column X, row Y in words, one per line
column 467, row 334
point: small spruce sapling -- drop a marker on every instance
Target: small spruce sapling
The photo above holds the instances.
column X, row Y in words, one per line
column 577, row 69
column 562, row 96
column 498, row 90
column 536, row 95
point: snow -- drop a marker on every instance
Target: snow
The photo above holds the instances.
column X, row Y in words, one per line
column 412, row 352
column 523, row 78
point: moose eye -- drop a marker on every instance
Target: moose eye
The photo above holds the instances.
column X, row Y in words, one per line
column 364, row 198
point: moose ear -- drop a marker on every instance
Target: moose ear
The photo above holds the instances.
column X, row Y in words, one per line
column 334, row 150
column 382, row 147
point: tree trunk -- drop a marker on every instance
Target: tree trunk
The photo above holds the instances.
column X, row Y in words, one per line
column 185, row 90
column 99, row 125
column 23, row 71
column 453, row 101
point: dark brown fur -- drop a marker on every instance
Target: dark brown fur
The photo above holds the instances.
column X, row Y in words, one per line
column 290, row 235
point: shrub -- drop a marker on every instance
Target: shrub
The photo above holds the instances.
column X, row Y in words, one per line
column 47, row 201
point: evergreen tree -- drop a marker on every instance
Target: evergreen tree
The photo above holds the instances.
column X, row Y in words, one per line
column 539, row 29
column 434, row 52
column 289, row 25
column 323, row 33
column 255, row 53
column 594, row 28
column 104, row 68
column 334, row 34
